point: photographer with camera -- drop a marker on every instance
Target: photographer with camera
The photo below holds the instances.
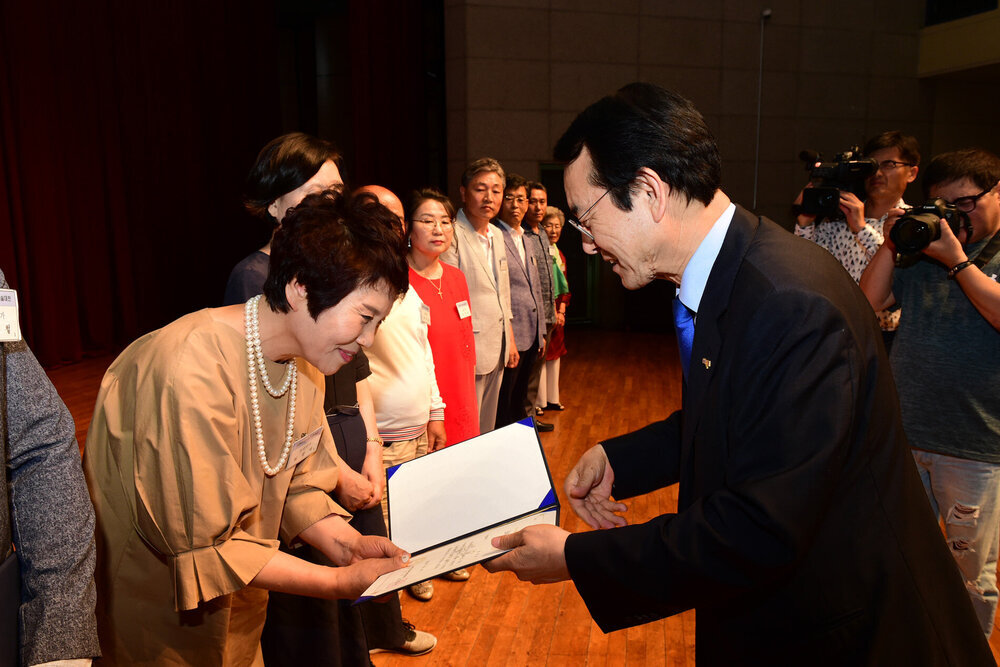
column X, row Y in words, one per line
column 946, row 358
column 857, row 234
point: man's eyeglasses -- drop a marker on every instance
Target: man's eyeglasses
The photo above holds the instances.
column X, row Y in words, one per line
column 575, row 222
column 968, row 204
column 888, row 165
column 510, row 199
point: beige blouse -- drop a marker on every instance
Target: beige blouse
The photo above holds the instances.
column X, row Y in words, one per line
column 186, row 517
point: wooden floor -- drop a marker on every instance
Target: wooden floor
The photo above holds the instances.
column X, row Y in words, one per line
column 611, row 383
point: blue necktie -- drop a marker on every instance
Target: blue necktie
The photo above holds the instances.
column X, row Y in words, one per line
column 684, row 323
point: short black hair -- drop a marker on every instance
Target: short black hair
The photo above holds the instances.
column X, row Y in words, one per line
column 909, row 147
column 418, row 197
column 515, row 181
column 976, row 164
column 537, row 185
column 333, row 244
column 284, row 164
column 643, row 125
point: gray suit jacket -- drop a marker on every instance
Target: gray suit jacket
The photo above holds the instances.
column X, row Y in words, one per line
column 540, row 244
column 489, row 291
column 526, row 301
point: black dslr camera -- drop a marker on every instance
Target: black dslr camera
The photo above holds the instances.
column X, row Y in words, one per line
column 921, row 226
column 847, row 172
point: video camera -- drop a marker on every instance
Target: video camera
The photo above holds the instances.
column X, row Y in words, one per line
column 921, row 226
column 846, row 173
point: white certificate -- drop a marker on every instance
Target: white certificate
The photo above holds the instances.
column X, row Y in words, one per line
column 465, row 488
column 454, row 555
column 445, row 507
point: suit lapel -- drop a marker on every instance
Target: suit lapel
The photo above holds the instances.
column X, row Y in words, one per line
column 472, row 239
column 508, row 240
column 708, row 332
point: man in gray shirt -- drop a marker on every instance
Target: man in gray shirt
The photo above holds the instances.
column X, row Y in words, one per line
column 946, row 363
column 538, row 201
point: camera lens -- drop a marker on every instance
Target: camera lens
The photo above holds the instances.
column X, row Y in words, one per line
column 829, row 200
column 914, row 233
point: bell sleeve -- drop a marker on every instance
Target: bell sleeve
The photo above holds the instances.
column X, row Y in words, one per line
column 191, row 495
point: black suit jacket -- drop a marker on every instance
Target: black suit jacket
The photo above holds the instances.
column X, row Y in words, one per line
column 803, row 535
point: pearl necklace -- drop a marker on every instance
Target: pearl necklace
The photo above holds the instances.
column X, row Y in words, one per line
column 255, row 361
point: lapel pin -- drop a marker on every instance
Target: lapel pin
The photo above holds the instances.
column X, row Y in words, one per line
column 706, row 362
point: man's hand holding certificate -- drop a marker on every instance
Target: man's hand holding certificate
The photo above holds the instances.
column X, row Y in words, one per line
column 448, row 508
column 537, row 554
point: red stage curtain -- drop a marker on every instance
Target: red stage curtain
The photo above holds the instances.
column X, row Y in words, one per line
column 126, row 129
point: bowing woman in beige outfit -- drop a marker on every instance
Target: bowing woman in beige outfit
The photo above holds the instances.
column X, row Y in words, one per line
column 209, row 443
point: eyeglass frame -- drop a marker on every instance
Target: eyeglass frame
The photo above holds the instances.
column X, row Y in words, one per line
column 435, row 223
column 576, row 224
column 972, row 199
column 893, row 164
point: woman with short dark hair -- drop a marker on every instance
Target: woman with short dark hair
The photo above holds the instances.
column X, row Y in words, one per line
column 287, row 169
column 209, row 441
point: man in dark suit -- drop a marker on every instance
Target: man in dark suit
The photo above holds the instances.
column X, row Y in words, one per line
column 802, row 534
column 526, row 302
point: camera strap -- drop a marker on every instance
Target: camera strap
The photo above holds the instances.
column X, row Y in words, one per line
column 988, row 253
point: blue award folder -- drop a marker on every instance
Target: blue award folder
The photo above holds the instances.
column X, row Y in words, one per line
column 445, row 507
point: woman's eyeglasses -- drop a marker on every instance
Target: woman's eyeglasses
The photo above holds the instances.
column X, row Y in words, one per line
column 445, row 224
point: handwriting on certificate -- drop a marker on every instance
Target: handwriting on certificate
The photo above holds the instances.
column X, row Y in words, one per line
column 458, row 554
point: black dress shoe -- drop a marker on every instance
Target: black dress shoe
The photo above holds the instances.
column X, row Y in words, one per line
column 544, row 427
column 558, row 407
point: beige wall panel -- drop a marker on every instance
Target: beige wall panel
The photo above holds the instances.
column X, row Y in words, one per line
column 508, row 135
column 605, row 6
column 783, row 12
column 829, row 51
column 688, row 9
column 575, row 85
column 894, row 54
column 688, row 42
column 510, row 84
column 594, row 37
column 701, row 86
column 502, row 32
column 850, row 15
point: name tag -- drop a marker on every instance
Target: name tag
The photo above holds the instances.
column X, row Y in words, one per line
column 463, row 310
column 425, row 314
column 304, row 447
column 10, row 329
